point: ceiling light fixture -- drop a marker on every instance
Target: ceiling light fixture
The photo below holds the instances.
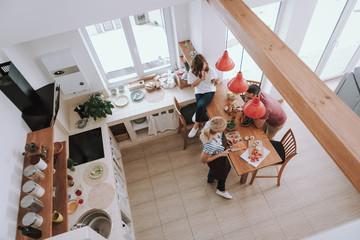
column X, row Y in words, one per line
column 238, row 84
column 225, row 63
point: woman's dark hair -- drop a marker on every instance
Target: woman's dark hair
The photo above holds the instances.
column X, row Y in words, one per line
column 197, row 65
column 254, row 89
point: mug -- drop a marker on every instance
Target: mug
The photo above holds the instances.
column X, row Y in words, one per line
column 38, row 162
column 57, row 217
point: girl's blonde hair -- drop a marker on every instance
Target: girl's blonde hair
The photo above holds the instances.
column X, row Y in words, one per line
column 217, row 124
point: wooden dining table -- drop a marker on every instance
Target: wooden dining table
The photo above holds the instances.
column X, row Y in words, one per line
column 242, row 168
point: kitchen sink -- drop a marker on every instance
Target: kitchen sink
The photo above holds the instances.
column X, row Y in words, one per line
column 98, row 220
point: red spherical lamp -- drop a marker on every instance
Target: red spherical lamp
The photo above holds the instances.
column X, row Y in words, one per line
column 254, row 108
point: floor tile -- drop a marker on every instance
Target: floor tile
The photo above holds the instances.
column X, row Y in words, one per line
column 136, row 170
column 295, row 225
column 255, row 208
column 240, row 234
column 268, row 229
column 178, row 230
column 145, row 216
column 230, row 217
column 154, row 233
column 170, row 208
column 158, row 163
column 204, row 225
column 140, row 191
column 164, row 184
column 195, row 200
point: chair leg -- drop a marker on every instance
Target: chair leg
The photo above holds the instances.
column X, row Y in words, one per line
column 253, row 176
column 279, row 174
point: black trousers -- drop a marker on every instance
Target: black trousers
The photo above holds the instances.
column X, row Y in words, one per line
column 221, row 183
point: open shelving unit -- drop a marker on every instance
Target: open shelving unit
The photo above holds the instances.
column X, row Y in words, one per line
column 57, row 179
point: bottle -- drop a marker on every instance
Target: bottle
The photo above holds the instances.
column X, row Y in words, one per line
column 30, row 232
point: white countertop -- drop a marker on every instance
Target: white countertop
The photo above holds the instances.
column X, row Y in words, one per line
column 132, row 110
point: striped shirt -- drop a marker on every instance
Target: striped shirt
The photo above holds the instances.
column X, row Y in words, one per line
column 214, row 146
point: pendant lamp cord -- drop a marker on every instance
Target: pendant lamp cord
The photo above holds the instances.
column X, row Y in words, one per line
column 227, row 31
column 242, row 55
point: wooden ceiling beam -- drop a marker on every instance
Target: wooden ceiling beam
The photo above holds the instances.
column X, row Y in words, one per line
column 330, row 120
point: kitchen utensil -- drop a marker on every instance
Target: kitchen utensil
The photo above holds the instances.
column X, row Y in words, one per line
column 72, row 206
column 34, row 189
column 33, row 173
column 57, row 217
column 31, row 203
column 81, row 123
column 121, row 101
column 96, row 171
column 32, row 219
column 113, row 91
column 58, row 147
column 38, row 162
column 137, row 95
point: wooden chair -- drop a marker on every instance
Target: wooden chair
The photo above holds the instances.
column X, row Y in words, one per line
column 184, row 121
column 286, row 149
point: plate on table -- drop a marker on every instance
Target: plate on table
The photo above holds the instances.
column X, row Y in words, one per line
column 137, row 95
column 121, row 101
column 96, row 171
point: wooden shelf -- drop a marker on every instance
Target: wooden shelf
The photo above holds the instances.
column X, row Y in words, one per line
column 61, row 192
column 46, row 138
column 186, row 47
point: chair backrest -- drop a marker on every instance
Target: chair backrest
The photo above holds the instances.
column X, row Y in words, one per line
column 254, row 82
column 177, row 110
column 289, row 143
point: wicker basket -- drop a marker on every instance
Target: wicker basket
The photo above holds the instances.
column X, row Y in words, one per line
column 181, row 82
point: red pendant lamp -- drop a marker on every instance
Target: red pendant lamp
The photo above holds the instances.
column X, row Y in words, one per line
column 238, row 84
column 225, row 63
column 254, row 108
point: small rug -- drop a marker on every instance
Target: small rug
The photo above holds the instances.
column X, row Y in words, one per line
column 155, row 96
column 101, row 195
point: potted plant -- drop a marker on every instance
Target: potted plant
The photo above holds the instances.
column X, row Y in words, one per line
column 97, row 107
column 71, row 164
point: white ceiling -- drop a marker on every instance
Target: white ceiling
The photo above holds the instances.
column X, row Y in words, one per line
column 24, row 20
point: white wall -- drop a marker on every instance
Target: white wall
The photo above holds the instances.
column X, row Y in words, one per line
column 182, row 22
column 26, row 57
column 13, row 131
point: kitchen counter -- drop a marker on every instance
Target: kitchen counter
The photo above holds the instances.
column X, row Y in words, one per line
column 80, row 177
column 132, row 110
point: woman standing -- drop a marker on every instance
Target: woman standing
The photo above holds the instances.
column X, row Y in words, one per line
column 215, row 154
column 204, row 79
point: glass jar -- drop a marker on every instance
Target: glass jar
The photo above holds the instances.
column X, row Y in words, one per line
column 31, row 203
column 32, row 188
column 32, row 219
column 34, row 173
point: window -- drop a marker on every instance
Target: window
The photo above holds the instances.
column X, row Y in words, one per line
column 345, row 47
column 321, row 27
column 132, row 47
column 268, row 14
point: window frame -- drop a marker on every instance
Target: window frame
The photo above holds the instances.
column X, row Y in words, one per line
column 167, row 14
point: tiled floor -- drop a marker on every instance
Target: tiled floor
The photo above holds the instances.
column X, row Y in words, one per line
column 170, row 198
